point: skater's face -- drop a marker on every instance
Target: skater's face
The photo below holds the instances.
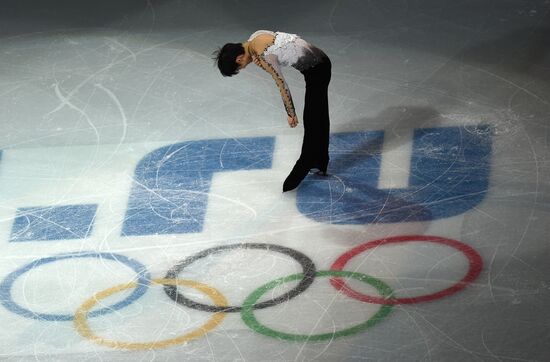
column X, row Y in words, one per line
column 243, row 60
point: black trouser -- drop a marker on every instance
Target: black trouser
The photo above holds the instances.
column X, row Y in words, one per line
column 316, row 117
column 316, row 125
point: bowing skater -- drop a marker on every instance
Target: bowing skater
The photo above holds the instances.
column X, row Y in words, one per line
column 271, row 50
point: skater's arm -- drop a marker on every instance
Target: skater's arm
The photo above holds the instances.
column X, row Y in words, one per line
column 270, row 64
column 272, row 67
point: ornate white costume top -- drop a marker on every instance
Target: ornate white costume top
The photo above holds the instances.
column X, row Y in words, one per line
column 287, row 50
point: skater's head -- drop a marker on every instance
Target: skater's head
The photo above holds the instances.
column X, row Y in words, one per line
column 231, row 58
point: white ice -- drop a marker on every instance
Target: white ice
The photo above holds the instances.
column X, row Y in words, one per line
column 89, row 89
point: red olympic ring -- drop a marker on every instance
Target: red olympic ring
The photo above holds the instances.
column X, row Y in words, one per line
column 475, row 260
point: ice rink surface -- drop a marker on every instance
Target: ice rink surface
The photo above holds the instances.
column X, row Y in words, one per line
column 141, row 212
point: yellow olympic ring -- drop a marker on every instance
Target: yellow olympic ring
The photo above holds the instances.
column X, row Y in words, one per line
column 81, row 323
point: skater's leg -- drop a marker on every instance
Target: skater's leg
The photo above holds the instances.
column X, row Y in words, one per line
column 316, row 127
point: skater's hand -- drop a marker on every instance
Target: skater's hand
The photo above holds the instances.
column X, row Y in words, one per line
column 292, row 121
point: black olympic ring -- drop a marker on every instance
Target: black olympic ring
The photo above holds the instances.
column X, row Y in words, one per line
column 307, row 264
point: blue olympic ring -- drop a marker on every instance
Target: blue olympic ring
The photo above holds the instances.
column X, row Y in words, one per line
column 6, row 299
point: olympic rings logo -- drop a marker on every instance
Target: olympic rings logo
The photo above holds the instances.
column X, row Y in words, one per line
column 386, row 298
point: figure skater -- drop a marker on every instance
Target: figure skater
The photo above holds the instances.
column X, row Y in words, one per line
column 269, row 50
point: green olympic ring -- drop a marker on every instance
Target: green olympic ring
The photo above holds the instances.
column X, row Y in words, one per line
column 247, row 312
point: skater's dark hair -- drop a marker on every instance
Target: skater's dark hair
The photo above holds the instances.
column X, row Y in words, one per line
column 226, row 58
